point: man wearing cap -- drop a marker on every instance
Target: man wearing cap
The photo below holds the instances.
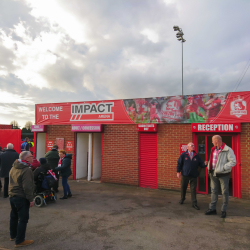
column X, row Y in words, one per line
column 21, row 193
column 187, row 168
column 221, row 161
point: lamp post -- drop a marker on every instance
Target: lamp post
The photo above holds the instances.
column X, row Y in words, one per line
column 180, row 38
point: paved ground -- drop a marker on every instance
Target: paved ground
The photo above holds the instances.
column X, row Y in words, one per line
column 106, row 216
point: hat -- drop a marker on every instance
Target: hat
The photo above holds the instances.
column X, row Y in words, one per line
column 43, row 161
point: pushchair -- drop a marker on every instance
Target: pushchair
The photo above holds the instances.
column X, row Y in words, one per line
column 43, row 192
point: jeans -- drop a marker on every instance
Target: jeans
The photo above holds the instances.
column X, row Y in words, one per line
column 19, row 217
column 193, row 184
column 6, row 186
column 65, row 185
column 224, row 183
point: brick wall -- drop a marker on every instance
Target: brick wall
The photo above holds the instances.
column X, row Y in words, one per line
column 169, row 137
column 245, row 160
column 120, row 154
column 62, row 131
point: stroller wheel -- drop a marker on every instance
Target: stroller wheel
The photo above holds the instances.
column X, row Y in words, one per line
column 38, row 201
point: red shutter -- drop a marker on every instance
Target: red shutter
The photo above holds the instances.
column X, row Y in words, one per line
column 148, row 160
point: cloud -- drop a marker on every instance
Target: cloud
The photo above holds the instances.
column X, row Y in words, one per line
column 62, row 51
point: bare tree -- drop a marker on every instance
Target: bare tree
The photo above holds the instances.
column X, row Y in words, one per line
column 14, row 124
column 28, row 125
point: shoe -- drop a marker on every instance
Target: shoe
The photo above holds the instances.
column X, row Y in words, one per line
column 69, row 195
column 181, row 201
column 24, row 243
column 64, row 198
column 196, row 207
column 210, row 212
column 223, row 214
column 12, row 239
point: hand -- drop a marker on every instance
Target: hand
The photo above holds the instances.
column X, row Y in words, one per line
column 178, row 175
column 32, row 203
column 206, row 162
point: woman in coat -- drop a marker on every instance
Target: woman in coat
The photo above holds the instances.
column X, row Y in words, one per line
column 65, row 171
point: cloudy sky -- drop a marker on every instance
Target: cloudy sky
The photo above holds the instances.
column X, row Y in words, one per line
column 82, row 50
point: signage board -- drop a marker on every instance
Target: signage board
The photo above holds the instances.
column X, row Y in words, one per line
column 38, row 128
column 147, row 127
column 216, row 127
column 49, row 145
column 69, row 145
column 60, row 143
column 231, row 107
column 86, row 128
column 183, row 148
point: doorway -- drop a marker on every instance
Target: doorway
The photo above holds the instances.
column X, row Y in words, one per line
column 84, row 154
column 40, row 145
column 203, row 143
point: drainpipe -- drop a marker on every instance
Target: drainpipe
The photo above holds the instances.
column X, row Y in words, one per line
column 90, row 157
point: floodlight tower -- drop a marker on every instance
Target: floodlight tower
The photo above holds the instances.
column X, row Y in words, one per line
column 180, row 38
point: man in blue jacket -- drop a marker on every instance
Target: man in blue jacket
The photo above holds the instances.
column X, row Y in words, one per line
column 187, row 169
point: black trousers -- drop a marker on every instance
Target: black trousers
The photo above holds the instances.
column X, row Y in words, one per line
column 193, row 184
column 6, row 186
column 19, row 217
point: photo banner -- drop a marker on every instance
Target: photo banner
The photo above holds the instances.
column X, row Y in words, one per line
column 202, row 108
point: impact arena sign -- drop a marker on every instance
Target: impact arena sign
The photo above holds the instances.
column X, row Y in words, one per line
column 220, row 108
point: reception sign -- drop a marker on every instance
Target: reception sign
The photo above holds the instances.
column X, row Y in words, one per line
column 203, row 108
column 216, row 127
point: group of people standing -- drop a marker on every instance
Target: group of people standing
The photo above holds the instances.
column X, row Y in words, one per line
column 221, row 161
column 19, row 184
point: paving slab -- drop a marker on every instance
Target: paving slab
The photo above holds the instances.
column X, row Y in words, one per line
column 109, row 216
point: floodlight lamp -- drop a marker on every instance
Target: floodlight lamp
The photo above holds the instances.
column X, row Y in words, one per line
column 183, row 40
column 176, row 28
column 180, row 33
column 178, row 36
column 180, row 39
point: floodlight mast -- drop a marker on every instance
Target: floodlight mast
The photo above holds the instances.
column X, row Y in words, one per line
column 180, row 38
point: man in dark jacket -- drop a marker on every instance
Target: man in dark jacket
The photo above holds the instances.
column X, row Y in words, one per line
column 44, row 168
column 187, row 168
column 52, row 158
column 6, row 161
column 1, row 151
column 21, row 193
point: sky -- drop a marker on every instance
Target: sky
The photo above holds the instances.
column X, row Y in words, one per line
column 86, row 50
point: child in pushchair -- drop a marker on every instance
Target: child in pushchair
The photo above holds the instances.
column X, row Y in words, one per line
column 44, row 181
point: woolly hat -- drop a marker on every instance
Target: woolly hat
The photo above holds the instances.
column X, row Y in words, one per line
column 43, row 161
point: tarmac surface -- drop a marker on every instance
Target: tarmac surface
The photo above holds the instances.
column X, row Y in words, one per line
column 108, row 216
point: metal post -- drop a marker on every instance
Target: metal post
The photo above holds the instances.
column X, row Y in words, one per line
column 182, row 72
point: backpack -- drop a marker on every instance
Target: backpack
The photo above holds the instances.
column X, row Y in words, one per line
column 23, row 146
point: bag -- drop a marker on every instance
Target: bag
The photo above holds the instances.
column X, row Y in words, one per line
column 48, row 182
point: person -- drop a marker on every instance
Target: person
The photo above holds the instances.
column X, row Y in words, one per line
column 25, row 146
column 21, row 193
column 187, row 169
column 52, row 158
column 6, row 161
column 43, row 168
column 35, row 163
column 221, row 161
column 65, row 172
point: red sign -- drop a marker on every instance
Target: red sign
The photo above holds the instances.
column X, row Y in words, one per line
column 183, row 148
column 204, row 108
column 69, row 145
column 49, row 145
column 86, row 128
column 146, row 128
column 216, row 127
column 60, row 143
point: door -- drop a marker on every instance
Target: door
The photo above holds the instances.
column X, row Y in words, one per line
column 40, row 145
column 82, row 142
column 204, row 144
column 148, row 160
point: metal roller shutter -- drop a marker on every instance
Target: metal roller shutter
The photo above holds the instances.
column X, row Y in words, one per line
column 148, row 160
